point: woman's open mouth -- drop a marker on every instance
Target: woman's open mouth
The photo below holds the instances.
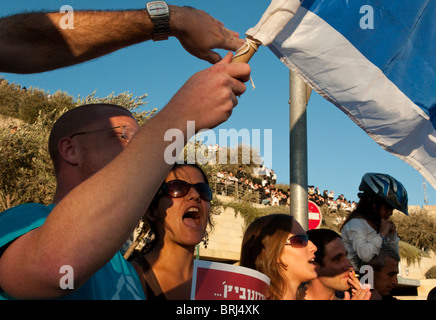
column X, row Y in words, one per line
column 191, row 218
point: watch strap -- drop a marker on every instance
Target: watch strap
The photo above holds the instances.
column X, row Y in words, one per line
column 161, row 23
column 161, row 28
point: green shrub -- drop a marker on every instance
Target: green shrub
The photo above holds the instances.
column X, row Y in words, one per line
column 431, row 273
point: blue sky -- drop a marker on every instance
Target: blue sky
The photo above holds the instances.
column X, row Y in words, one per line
column 339, row 152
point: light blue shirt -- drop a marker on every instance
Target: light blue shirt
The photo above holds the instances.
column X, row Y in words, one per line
column 117, row 280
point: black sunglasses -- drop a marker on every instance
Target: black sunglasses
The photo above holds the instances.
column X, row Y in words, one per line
column 298, row 241
column 180, row 188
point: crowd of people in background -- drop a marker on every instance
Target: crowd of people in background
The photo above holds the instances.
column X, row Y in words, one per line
column 5, row 82
column 265, row 190
column 262, row 187
column 327, row 198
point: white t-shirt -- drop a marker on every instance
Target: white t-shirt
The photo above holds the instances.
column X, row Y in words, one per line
column 363, row 242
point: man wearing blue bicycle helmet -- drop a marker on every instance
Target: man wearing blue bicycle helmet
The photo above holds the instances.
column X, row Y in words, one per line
column 367, row 229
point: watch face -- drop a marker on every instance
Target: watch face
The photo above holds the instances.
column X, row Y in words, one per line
column 157, row 8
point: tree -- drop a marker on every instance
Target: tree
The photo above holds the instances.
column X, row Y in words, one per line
column 418, row 229
column 26, row 104
column 124, row 99
column 431, row 273
column 26, row 173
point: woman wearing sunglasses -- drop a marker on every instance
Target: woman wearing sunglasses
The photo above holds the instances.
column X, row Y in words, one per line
column 278, row 246
column 178, row 217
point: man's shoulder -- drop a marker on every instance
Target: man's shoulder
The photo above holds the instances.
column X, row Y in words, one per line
column 28, row 209
column 19, row 220
column 27, row 206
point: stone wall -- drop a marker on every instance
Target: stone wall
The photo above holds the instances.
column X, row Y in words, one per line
column 225, row 239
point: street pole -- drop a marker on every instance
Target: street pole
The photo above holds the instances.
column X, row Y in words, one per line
column 299, row 94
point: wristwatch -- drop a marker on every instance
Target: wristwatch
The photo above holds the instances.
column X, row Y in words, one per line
column 160, row 17
column 384, row 240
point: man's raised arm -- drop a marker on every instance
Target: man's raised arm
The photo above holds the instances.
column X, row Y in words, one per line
column 38, row 42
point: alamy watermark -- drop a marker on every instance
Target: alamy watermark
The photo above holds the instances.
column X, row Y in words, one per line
column 248, row 142
column 367, row 20
column 66, row 282
column 368, row 275
column 67, row 21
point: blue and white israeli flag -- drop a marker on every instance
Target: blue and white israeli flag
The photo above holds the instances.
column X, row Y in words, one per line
column 376, row 61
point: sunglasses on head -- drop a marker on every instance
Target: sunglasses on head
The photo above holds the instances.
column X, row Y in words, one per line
column 180, row 188
column 298, row 241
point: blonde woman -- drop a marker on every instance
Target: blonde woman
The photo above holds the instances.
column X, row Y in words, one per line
column 278, row 246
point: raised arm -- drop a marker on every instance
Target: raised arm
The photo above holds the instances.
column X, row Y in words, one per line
column 97, row 33
column 88, row 226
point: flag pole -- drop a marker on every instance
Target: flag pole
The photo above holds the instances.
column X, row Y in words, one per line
column 299, row 94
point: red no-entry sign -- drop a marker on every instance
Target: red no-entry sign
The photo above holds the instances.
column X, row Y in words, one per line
column 315, row 216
